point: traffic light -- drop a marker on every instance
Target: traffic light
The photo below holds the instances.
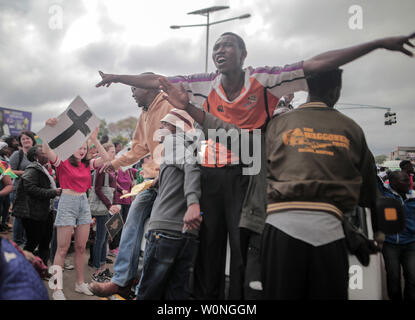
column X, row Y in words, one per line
column 390, row 118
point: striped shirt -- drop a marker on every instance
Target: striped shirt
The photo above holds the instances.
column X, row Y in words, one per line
column 254, row 106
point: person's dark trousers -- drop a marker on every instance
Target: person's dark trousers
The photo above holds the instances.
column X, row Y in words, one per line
column 39, row 234
column 295, row 270
column 223, row 192
column 54, row 240
column 53, row 244
column 168, row 260
column 124, row 212
column 19, row 234
column 397, row 256
column 253, row 285
column 100, row 243
column 4, row 208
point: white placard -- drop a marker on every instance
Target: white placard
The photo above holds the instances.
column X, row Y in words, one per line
column 74, row 127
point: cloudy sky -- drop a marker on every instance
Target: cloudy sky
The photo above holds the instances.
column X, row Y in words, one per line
column 51, row 51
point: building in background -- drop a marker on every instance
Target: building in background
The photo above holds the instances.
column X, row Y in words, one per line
column 403, row 153
column 13, row 121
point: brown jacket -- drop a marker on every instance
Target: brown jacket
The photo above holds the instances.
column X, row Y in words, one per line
column 144, row 141
column 317, row 154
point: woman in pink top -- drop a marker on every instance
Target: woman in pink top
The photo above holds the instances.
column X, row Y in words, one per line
column 74, row 175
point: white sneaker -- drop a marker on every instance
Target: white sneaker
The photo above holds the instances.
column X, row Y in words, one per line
column 83, row 288
column 68, row 266
column 58, row 295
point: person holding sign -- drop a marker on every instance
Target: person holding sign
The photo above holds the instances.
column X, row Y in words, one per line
column 74, row 175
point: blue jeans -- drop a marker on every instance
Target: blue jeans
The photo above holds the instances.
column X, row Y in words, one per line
column 168, row 260
column 395, row 256
column 99, row 252
column 126, row 263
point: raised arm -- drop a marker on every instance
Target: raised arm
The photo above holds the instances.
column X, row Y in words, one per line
column 336, row 58
column 45, row 146
column 103, row 155
column 145, row 81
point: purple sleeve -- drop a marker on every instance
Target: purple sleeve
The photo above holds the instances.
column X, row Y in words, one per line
column 134, row 172
column 99, row 182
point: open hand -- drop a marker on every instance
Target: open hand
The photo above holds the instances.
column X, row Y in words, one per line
column 107, row 79
column 177, row 97
column 94, row 135
column 397, row 44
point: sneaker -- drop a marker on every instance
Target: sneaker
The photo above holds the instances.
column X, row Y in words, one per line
column 58, row 295
column 107, row 274
column 100, row 277
column 68, row 266
column 109, row 261
column 111, row 253
column 83, row 288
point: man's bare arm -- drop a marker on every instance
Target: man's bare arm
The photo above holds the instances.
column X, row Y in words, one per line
column 336, row 58
column 144, row 81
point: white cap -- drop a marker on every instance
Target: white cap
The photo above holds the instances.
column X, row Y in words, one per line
column 3, row 145
column 179, row 118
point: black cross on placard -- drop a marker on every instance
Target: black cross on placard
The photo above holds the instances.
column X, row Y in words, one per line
column 79, row 124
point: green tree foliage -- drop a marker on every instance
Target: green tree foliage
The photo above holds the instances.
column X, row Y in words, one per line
column 120, row 131
column 381, row 158
column 119, row 138
column 103, row 129
column 127, row 126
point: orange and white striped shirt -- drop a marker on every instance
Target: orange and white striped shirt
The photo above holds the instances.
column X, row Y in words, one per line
column 254, row 106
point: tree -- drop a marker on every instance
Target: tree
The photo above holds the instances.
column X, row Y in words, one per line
column 127, row 126
column 103, row 130
column 119, row 138
column 381, row 158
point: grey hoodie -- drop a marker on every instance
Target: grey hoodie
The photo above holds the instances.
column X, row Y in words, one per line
column 179, row 186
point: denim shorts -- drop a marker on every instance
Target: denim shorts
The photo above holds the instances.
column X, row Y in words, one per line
column 73, row 210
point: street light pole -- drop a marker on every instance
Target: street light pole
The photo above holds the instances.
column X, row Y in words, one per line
column 207, row 41
column 206, row 12
column 390, row 117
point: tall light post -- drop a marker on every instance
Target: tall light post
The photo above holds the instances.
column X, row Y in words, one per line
column 390, row 117
column 205, row 12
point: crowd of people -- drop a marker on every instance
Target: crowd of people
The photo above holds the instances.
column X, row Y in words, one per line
column 285, row 224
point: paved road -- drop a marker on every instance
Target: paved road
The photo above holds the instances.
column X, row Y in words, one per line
column 69, row 278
